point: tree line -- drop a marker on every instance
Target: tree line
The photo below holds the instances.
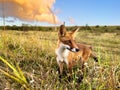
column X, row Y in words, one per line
column 96, row 28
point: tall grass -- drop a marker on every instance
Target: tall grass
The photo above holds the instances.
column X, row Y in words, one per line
column 34, row 51
column 16, row 75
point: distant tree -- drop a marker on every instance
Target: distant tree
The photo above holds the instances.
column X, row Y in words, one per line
column 14, row 27
column 105, row 26
column 8, row 27
column 50, row 29
column 25, row 27
column 97, row 26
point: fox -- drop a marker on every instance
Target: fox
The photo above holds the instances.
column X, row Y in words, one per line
column 68, row 51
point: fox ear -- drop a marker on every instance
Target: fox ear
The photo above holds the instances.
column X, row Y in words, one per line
column 75, row 30
column 62, row 31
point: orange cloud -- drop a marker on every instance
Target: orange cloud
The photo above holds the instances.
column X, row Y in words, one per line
column 30, row 10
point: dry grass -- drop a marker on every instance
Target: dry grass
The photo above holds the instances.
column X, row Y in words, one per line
column 34, row 51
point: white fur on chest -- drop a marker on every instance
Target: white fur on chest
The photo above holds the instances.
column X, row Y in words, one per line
column 62, row 53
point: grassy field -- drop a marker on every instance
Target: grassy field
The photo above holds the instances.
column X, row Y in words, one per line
column 34, row 51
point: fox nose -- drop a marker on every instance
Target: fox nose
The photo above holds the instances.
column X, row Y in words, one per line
column 77, row 50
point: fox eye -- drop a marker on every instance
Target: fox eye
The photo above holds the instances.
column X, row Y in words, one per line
column 69, row 41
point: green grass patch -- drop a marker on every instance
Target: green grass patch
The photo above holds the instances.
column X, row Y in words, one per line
column 34, row 51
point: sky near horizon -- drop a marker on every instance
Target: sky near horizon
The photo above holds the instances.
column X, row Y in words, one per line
column 72, row 12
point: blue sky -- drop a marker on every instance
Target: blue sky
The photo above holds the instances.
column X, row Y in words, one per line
column 82, row 12
column 91, row 12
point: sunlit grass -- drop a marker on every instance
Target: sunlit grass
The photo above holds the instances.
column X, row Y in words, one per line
column 35, row 53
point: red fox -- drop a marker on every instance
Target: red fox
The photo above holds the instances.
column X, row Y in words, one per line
column 68, row 51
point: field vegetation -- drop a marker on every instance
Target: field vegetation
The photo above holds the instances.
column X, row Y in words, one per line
column 34, row 52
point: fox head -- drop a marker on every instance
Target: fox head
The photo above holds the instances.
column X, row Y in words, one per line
column 67, row 39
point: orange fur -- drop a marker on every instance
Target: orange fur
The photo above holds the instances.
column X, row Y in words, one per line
column 69, row 52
